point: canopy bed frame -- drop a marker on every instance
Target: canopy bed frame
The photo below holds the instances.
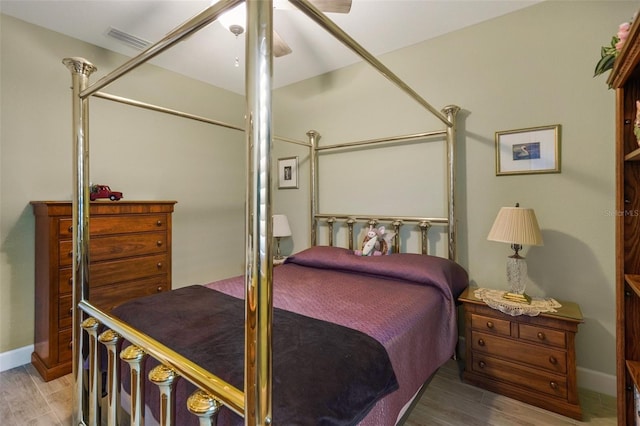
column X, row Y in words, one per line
column 255, row 402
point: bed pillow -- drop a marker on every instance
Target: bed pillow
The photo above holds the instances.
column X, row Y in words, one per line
column 416, row 268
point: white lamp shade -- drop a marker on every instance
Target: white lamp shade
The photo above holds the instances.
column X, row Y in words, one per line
column 516, row 225
column 281, row 226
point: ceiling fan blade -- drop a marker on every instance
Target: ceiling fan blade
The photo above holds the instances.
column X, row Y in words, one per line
column 280, row 48
column 333, row 6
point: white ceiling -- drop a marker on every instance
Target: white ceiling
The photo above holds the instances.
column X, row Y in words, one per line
column 379, row 25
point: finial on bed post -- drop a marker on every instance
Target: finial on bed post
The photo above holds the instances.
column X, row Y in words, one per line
column 350, row 223
column 424, row 238
column 80, row 69
column 79, row 65
column 205, row 406
column 314, row 137
column 451, row 111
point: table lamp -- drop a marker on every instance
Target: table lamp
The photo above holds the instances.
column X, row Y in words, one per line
column 280, row 229
column 516, row 226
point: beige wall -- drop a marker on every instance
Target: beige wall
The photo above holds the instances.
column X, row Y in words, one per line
column 146, row 155
column 530, row 68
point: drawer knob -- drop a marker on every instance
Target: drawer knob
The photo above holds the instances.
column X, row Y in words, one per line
column 159, row 265
column 553, row 360
column 553, row 385
column 482, row 364
column 70, row 345
column 159, row 243
column 481, row 342
column 70, row 311
column 489, row 324
column 159, row 222
column 70, row 280
column 541, row 335
column 70, row 228
column 71, row 254
column 159, row 289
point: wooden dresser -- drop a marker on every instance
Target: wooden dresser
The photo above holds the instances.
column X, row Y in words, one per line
column 130, row 256
column 531, row 359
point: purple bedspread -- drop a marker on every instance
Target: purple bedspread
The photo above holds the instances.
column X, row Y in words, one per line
column 323, row 373
column 404, row 301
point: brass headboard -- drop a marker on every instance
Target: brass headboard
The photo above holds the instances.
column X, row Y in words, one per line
column 423, row 223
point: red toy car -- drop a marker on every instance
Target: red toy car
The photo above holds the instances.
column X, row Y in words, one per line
column 103, row 191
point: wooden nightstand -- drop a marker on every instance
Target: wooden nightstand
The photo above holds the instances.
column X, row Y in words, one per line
column 531, row 359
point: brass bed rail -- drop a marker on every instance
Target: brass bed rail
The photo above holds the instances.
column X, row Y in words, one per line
column 255, row 403
column 205, row 402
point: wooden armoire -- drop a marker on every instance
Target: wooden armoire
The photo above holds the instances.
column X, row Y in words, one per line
column 625, row 79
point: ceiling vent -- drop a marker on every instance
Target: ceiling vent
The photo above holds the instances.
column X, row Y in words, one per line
column 128, row 39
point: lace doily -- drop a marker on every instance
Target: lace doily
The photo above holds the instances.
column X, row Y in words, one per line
column 494, row 299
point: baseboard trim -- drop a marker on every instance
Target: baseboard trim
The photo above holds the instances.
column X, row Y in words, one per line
column 15, row 358
column 587, row 379
column 596, row 381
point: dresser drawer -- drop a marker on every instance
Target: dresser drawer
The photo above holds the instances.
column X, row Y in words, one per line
column 107, row 273
column 64, row 311
column 65, row 281
column 65, row 345
column 108, row 297
column 539, row 356
column 103, row 225
column 542, row 335
column 545, row 382
column 117, row 246
column 491, row 325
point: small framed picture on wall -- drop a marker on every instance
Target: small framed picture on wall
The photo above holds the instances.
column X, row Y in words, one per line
column 288, row 172
column 528, row 151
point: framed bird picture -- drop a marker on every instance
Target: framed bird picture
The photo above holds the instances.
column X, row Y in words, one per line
column 528, row 151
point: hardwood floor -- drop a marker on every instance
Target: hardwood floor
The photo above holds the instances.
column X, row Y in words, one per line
column 25, row 399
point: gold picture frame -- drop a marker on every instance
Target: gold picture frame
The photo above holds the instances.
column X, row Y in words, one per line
column 288, row 173
column 528, row 151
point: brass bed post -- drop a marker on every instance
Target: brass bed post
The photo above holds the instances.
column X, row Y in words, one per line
column 451, row 111
column 165, row 378
column 113, row 342
column 350, row 222
column 314, row 137
column 259, row 226
column 80, row 69
column 90, row 325
column 330, row 223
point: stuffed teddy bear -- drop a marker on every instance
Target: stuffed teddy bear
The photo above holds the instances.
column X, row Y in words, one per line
column 376, row 243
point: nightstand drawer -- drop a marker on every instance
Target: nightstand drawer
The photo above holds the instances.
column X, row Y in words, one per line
column 542, row 335
column 524, row 353
column 491, row 325
column 515, row 374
